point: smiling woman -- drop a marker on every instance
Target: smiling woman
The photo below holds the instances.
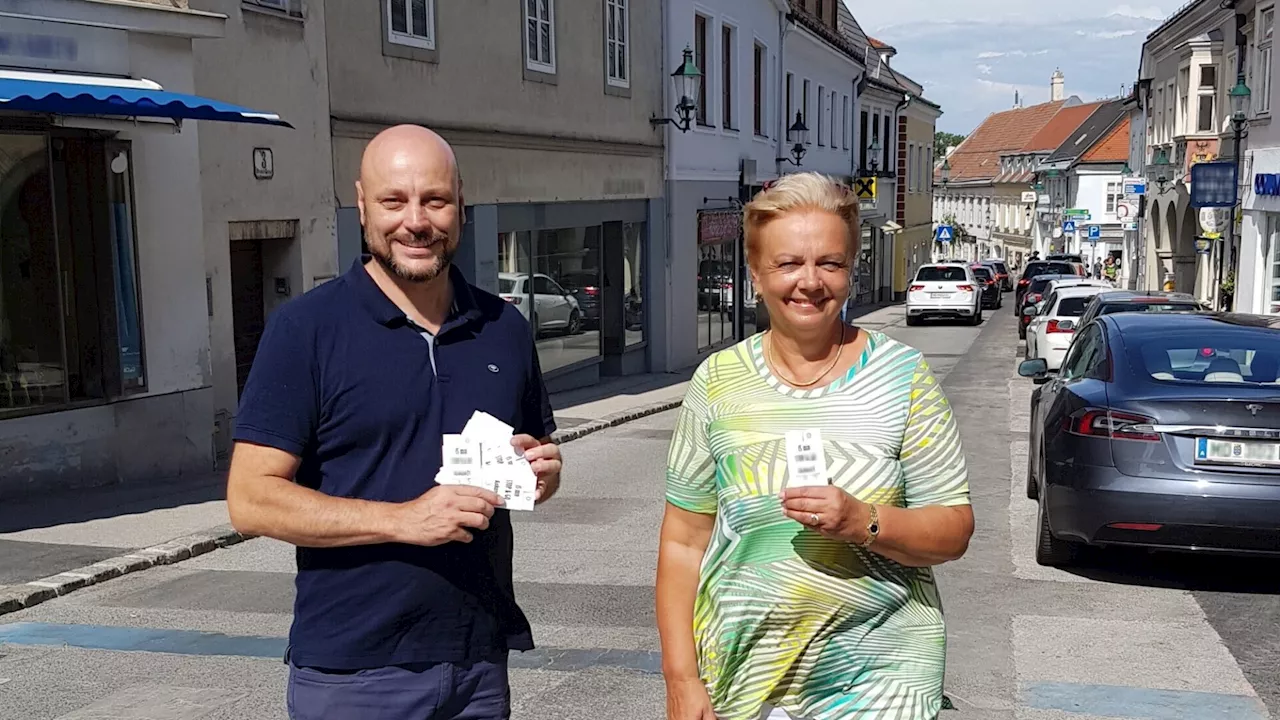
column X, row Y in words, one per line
column 814, row 477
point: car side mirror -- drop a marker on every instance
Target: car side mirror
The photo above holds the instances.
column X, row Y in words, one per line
column 1030, row 311
column 1037, row 369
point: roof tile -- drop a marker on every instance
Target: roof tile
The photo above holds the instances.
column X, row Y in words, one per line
column 1002, row 133
column 1060, row 127
column 1113, row 148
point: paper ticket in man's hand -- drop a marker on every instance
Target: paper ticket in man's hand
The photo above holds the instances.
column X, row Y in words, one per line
column 482, row 456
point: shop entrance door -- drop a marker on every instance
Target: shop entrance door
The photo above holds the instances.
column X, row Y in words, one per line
column 248, row 316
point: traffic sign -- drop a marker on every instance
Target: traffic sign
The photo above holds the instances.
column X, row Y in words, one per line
column 1069, row 226
column 1135, row 186
column 1029, row 196
column 1095, row 232
column 1077, row 212
column 944, row 234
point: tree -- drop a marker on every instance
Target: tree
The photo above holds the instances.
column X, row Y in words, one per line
column 944, row 140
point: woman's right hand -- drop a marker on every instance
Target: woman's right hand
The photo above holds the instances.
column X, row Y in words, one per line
column 688, row 700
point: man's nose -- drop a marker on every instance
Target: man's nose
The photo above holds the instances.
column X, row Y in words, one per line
column 415, row 219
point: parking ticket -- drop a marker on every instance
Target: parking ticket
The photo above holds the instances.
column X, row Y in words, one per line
column 482, row 456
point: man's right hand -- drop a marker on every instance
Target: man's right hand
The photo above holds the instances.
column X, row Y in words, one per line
column 444, row 514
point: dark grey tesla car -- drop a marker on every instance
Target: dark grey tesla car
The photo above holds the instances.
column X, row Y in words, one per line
column 1160, row 430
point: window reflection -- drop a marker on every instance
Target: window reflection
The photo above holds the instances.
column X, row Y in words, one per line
column 633, row 282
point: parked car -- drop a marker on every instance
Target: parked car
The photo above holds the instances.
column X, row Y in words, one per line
column 944, row 290
column 1041, row 267
column 1053, row 323
column 1002, row 274
column 585, row 287
column 1117, row 301
column 554, row 307
column 992, row 294
column 1066, row 257
column 1034, row 293
column 1162, row 430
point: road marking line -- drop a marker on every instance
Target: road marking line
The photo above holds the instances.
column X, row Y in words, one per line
column 1125, row 702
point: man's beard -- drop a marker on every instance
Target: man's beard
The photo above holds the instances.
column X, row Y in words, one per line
column 383, row 254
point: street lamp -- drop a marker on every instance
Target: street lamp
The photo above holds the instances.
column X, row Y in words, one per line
column 875, row 155
column 1239, row 101
column 1162, row 167
column 798, row 136
column 946, row 171
column 688, row 87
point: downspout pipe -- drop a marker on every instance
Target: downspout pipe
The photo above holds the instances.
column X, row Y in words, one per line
column 784, row 28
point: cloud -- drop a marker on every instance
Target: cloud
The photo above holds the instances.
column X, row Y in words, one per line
column 1106, row 34
column 984, row 68
column 1147, row 13
column 990, row 55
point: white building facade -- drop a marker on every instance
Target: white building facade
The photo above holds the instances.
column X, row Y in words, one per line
column 105, row 372
column 765, row 64
column 1258, row 274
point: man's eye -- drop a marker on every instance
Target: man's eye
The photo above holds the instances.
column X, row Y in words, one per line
column 393, row 204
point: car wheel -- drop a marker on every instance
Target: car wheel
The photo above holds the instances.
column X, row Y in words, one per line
column 1050, row 551
column 977, row 319
column 575, row 323
column 1022, row 331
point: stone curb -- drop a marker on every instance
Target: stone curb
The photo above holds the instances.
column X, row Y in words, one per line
column 614, row 420
column 18, row 597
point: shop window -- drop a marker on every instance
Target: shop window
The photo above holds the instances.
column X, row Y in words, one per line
column 633, row 235
column 553, row 279
column 70, row 327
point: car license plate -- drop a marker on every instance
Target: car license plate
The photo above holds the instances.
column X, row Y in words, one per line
column 1233, row 452
column 940, row 295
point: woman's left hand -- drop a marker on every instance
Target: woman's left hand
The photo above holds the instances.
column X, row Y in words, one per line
column 828, row 510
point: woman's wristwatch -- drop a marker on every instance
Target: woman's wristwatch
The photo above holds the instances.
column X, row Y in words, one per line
column 873, row 527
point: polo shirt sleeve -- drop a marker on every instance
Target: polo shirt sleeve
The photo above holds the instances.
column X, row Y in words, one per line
column 933, row 462
column 280, row 405
column 536, row 416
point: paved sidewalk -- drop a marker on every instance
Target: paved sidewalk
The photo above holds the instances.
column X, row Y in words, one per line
column 55, row 544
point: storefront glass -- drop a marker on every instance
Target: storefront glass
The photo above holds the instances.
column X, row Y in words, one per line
column 633, row 282
column 718, row 237
column 32, row 364
column 561, row 299
column 69, row 311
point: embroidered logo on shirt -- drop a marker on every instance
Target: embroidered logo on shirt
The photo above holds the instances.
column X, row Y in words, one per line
column 493, row 368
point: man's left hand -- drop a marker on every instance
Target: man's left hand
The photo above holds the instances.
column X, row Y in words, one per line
column 838, row 514
column 544, row 457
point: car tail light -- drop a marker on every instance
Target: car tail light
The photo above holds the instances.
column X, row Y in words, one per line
column 591, row 290
column 965, row 288
column 1053, row 327
column 1141, row 527
column 1093, row 422
column 514, row 299
column 1033, row 298
column 1023, row 282
column 915, row 288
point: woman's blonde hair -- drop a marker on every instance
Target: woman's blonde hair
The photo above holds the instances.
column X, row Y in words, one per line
column 801, row 191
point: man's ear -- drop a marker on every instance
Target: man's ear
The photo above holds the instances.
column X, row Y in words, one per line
column 360, row 201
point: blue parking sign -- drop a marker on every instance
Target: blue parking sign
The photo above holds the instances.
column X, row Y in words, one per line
column 1095, row 232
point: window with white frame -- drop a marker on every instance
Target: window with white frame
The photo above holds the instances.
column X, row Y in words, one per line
column 412, row 23
column 1114, row 192
column 540, row 35
column 822, row 100
column 728, row 76
column 618, row 42
column 845, row 128
column 293, row 8
column 832, row 110
column 804, row 108
column 1266, row 27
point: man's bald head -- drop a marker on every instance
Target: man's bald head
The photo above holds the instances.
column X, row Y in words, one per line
column 402, row 143
column 410, row 200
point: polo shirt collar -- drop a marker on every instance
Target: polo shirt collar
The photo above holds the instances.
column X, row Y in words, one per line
column 464, row 310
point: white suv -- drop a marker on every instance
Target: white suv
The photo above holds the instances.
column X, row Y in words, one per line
column 944, row 290
column 1053, row 322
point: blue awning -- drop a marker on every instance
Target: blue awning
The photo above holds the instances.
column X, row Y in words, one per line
column 91, row 96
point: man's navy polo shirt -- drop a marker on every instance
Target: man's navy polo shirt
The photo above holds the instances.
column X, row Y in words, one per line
column 344, row 381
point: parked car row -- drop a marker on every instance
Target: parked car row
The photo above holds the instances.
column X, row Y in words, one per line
column 1155, row 423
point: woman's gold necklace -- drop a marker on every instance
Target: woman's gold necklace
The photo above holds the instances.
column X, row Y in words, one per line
column 777, row 369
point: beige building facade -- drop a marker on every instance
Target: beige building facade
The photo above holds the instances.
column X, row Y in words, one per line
column 548, row 106
column 913, row 244
column 268, row 208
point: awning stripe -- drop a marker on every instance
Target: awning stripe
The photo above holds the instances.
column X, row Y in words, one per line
column 66, row 98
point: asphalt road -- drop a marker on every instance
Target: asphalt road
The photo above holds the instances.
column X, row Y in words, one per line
column 1133, row 636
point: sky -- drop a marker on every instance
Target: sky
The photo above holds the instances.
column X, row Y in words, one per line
column 971, row 55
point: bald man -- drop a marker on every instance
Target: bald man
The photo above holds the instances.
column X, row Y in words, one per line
column 404, row 606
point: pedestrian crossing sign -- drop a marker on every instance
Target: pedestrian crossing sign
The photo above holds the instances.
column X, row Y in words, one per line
column 945, row 234
column 865, row 187
column 1069, row 226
